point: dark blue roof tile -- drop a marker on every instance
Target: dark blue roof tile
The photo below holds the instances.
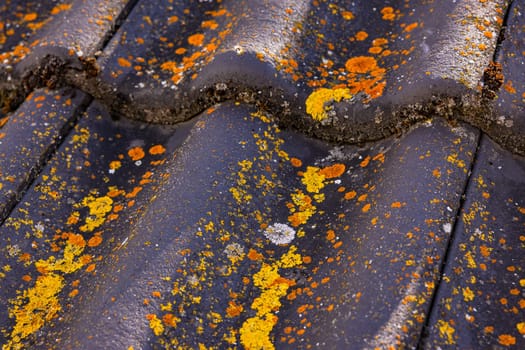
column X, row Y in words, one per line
column 30, row 136
column 480, row 302
column 225, row 224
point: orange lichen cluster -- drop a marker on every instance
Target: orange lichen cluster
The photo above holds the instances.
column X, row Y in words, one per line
column 201, row 47
column 364, row 75
column 60, row 8
column 388, row 13
column 136, row 153
column 301, row 209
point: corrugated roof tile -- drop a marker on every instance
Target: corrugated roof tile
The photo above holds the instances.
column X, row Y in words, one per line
column 224, row 223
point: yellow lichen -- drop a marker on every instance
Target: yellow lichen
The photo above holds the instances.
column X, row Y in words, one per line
column 468, row 294
column 98, row 208
column 446, row 331
column 316, row 103
column 269, row 300
column 302, row 209
column 255, row 331
column 40, row 304
column 155, row 324
column 265, row 276
column 313, row 179
column 290, row 259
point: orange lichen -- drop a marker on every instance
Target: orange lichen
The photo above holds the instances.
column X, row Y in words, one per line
column 196, row 39
column 509, row 88
column 361, row 64
column 347, row 15
column 94, row 241
column 157, row 149
column 364, row 75
column 350, row 195
column 170, row 320
column 410, row 27
column 506, row 339
column 30, row 17
column 60, row 8
column 361, row 35
column 333, row 171
column 296, row 162
column 388, row 13
column 136, row 153
column 173, row 19
column 234, row 309
column 254, row 255
column 211, row 24
column 123, row 62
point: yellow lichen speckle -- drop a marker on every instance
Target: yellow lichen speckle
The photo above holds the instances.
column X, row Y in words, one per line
column 155, row 324
column 98, row 208
column 316, row 103
column 468, row 294
column 446, row 331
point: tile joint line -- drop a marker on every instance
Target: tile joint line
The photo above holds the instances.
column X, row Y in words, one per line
column 35, row 171
column 452, row 238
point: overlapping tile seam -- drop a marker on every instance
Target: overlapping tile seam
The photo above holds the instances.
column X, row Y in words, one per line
column 446, row 259
column 451, row 241
column 52, row 69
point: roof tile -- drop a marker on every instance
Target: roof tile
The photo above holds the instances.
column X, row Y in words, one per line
column 225, row 224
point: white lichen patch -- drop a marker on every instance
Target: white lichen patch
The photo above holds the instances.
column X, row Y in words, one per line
column 280, row 233
column 234, row 252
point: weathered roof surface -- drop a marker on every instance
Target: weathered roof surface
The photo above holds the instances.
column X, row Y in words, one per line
column 262, row 174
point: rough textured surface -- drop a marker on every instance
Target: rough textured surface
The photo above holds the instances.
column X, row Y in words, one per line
column 262, row 174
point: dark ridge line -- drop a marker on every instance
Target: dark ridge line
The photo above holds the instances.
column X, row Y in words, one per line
column 450, row 243
column 472, row 107
column 44, row 160
column 503, row 31
column 434, row 300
